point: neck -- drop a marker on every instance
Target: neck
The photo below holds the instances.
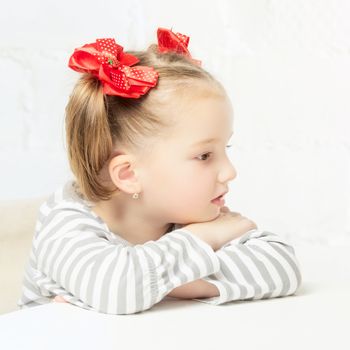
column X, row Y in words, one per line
column 124, row 217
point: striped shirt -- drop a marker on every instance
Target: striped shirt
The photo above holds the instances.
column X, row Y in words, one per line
column 76, row 256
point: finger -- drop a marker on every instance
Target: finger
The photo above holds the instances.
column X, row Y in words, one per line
column 59, row 299
column 225, row 209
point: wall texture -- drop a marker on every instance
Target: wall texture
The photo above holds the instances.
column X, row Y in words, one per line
column 284, row 63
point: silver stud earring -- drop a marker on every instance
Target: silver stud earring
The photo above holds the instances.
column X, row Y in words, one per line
column 135, row 195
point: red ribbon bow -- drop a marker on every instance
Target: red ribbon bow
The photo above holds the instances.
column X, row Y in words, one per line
column 177, row 42
column 106, row 60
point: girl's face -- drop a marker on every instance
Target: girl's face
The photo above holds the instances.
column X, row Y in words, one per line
column 190, row 167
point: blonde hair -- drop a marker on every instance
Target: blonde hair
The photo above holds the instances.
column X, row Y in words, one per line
column 96, row 123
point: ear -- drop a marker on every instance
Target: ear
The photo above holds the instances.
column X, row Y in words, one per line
column 123, row 175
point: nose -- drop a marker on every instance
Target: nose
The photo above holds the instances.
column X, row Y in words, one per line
column 228, row 172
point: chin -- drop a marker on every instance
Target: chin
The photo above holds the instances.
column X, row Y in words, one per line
column 216, row 215
column 203, row 218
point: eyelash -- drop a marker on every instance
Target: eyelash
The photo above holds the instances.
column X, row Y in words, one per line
column 204, row 154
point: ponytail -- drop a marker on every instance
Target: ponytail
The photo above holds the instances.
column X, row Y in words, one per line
column 88, row 136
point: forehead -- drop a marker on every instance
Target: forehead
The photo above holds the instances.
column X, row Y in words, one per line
column 190, row 122
column 203, row 118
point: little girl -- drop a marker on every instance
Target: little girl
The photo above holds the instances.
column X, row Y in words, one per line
column 145, row 217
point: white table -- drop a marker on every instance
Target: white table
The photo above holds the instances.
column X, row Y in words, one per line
column 317, row 317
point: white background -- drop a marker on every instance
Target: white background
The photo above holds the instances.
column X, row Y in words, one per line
column 285, row 65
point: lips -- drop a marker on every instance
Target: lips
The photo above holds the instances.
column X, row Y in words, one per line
column 221, row 195
column 220, row 201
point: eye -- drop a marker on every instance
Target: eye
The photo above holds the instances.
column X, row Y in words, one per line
column 206, row 155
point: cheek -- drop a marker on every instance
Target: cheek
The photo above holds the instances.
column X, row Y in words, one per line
column 182, row 184
column 182, row 195
column 190, row 186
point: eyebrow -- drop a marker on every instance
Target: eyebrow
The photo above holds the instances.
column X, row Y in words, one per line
column 206, row 141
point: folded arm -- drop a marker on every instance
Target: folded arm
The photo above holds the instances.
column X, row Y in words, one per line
column 112, row 278
column 258, row 265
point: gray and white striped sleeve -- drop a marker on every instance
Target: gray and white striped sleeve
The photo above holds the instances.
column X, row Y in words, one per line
column 258, row 265
column 118, row 279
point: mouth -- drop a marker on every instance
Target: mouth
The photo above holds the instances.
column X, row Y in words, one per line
column 219, row 200
column 221, row 196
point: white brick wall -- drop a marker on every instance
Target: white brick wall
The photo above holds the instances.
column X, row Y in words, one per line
column 285, row 64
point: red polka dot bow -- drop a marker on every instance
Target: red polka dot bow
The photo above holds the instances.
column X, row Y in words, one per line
column 177, row 42
column 106, row 60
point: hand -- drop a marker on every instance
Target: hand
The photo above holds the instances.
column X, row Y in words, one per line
column 195, row 289
column 245, row 223
column 225, row 227
column 59, row 299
